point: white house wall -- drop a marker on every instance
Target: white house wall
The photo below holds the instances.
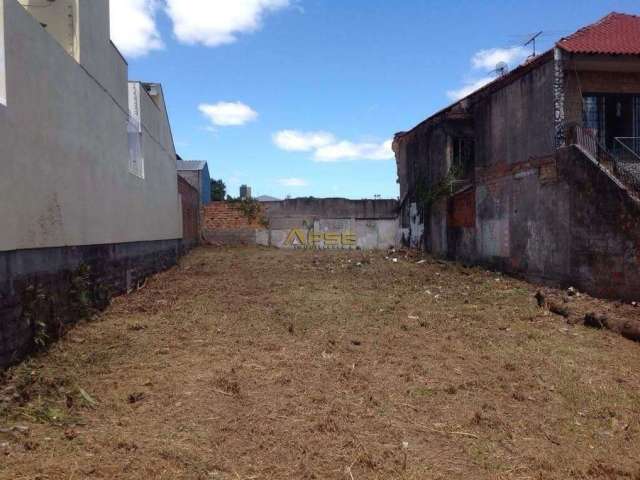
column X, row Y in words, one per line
column 64, row 148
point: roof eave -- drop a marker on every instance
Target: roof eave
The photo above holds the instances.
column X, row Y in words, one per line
column 488, row 89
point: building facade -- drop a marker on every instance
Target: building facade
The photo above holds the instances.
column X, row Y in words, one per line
column 89, row 174
column 197, row 174
column 537, row 173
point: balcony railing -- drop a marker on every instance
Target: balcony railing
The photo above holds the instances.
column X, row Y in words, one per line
column 623, row 161
column 627, row 165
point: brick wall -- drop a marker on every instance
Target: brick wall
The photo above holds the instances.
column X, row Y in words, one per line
column 225, row 223
column 226, row 216
column 462, row 210
column 190, row 213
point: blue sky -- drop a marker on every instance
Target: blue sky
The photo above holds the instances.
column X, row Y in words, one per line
column 300, row 97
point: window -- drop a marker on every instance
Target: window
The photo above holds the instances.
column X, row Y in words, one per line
column 612, row 117
column 3, row 72
column 463, row 156
column 593, row 115
column 134, row 132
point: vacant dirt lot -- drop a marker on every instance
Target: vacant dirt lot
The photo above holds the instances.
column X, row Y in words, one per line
column 263, row 364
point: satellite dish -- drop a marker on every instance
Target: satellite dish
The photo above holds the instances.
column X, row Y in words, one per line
column 501, row 69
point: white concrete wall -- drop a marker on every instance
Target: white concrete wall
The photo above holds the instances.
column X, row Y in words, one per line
column 63, row 145
column 369, row 234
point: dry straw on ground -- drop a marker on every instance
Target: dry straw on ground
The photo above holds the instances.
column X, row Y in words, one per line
column 263, row 364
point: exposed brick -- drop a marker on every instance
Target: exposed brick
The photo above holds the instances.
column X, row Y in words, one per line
column 462, row 210
column 228, row 215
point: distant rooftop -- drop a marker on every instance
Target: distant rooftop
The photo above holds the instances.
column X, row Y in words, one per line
column 267, row 198
column 615, row 34
column 190, row 165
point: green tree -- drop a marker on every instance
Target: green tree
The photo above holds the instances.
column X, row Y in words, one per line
column 218, row 190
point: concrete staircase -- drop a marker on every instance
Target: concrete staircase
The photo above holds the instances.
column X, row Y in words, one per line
column 622, row 164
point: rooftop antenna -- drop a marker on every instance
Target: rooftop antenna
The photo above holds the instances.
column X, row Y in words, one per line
column 532, row 42
column 501, row 69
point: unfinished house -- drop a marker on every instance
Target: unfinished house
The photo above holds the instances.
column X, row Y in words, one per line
column 538, row 173
column 88, row 193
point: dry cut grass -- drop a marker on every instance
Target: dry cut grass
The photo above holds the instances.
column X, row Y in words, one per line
column 263, row 364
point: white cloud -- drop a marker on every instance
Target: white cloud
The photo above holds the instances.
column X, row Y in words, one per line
column 227, row 114
column 297, row 141
column 345, row 150
column 469, row 88
column 218, row 22
column 327, row 148
column 133, row 27
column 293, row 182
column 490, row 58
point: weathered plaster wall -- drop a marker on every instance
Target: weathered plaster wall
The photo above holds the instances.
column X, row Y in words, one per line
column 515, row 133
column 63, row 141
column 604, row 230
column 424, row 160
column 516, row 122
column 522, row 220
column 546, row 214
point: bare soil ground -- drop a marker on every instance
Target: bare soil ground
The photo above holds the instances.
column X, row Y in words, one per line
column 264, row 364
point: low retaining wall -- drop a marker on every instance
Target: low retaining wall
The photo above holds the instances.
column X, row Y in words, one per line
column 43, row 291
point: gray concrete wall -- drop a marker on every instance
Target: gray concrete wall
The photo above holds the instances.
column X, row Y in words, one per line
column 331, row 223
column 3, row 73
column 63, row 139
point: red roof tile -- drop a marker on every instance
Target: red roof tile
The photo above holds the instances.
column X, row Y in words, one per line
column 615, row 34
